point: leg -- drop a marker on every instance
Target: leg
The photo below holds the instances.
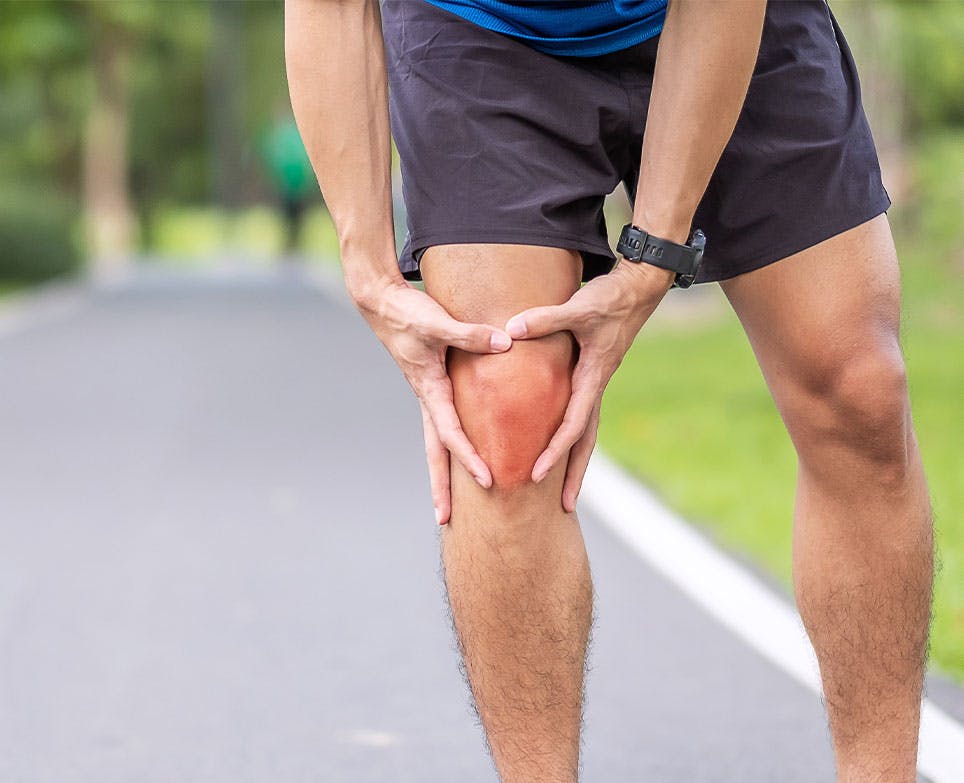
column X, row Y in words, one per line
column 515, row 565
column 824, row 326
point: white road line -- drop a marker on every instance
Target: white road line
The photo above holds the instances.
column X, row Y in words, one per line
column 737, row 599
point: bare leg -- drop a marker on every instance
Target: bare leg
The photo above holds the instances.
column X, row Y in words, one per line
column 824, row 326
column 515, row 564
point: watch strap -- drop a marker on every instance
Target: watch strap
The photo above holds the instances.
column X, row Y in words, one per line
column 639, row 246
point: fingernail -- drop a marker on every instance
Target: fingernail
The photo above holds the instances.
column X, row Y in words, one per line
column 438, row 517
column 500, row 341
column 516, row 327
column 482, row 481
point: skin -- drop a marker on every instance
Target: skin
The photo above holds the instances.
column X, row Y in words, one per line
column 515, row 564
column 823, row 324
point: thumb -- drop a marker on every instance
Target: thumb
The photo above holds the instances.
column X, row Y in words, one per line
column 476, row 338
column 540, row 321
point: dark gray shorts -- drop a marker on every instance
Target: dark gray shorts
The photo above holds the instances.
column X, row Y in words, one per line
column 500, row 143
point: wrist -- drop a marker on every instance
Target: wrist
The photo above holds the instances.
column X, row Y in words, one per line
column 365, row 287
column 649, row 283
column 368, row 260
column 664, row 223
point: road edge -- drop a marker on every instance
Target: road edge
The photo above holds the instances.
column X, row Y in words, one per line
column 737, row 599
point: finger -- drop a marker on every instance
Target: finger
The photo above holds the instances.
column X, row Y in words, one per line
column 476, row 338
column 586, row 392
column 441, row 407
column 578, row 461
column 540, row 321
column 438, row 469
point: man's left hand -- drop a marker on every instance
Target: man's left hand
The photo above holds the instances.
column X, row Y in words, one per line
column 604, row 317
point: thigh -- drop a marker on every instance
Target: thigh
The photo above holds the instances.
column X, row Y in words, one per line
column 823, row 314
column 489, row 283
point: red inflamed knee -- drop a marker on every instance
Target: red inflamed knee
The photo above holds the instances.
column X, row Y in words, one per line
column 510, row 404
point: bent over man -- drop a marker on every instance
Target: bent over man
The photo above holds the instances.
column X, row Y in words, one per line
column 737, row 121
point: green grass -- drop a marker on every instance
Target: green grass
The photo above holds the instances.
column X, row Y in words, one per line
column 192, row 236
column 10, row 287
column 689, row 413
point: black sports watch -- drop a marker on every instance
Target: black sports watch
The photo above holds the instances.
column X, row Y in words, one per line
column 636, row 245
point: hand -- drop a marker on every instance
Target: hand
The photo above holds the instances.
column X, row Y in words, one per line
column 604, row 317
column 417, row 331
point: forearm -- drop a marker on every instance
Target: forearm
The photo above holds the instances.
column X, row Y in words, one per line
column 335, row 62
column 706, row 56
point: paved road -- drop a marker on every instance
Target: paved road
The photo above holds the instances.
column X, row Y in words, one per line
column 218, row 563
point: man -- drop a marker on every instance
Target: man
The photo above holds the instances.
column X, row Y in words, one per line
column 287, row 163
column 513, row 120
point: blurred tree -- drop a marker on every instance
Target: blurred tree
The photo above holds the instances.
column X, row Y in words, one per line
column 225, row 105
column 872, row 30
column 42, row 49
column 126, row 106
column 910, row 55
column 109, row 221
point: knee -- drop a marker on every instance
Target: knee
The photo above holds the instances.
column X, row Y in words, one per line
column 859, row 403
column 511, row 404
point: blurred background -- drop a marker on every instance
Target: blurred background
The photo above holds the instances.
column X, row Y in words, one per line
column 148, row 132
column 159, row 133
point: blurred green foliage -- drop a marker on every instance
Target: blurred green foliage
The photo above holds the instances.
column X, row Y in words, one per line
column 37, row 240
column 928, row 41
column 47, row 88
column 938, row 207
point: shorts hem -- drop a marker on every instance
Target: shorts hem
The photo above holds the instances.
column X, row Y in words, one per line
column 772, row 255
column 601, row 253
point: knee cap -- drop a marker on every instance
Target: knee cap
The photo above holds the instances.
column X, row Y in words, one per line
column 511, row 404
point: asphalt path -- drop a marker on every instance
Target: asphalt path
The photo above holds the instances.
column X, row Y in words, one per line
column 218, row 563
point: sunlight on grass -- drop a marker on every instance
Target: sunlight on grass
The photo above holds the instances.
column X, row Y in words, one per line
column 192, row 236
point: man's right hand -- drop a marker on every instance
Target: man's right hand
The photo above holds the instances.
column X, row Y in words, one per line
column 417, row 332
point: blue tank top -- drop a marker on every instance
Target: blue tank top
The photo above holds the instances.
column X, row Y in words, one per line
column 579, row 28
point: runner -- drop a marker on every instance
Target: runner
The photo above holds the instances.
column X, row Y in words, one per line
column 738, row 121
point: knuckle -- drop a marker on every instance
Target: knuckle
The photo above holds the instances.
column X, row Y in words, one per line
column 458, row 338
column 573, row 424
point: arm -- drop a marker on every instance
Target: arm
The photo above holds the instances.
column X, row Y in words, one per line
column 706, row 55
column 335, row 61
